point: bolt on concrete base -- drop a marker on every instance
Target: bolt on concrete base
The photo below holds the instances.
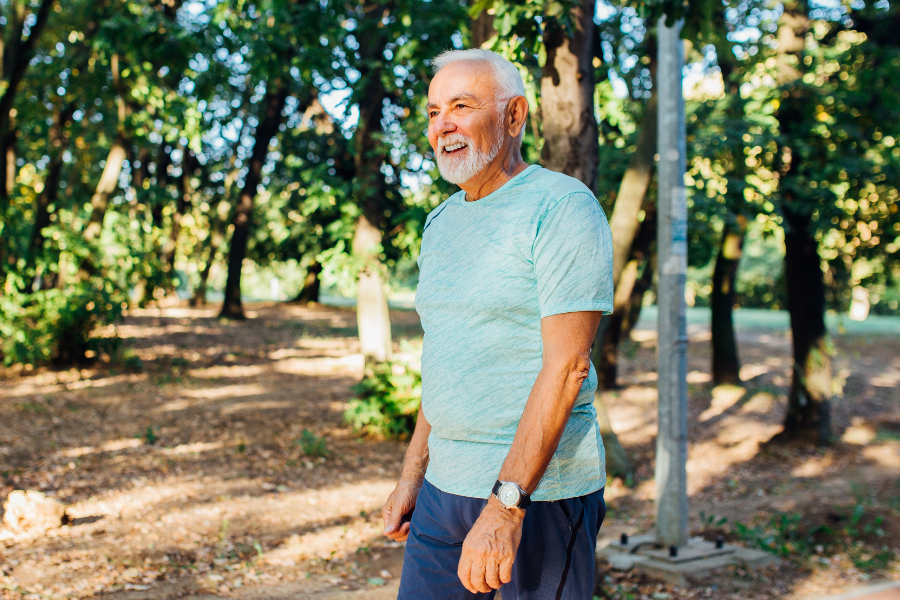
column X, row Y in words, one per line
column 697, row 558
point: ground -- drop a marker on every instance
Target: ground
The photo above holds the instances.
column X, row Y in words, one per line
column 184, row 474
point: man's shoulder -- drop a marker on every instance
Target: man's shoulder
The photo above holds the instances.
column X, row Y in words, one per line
column 558, row 185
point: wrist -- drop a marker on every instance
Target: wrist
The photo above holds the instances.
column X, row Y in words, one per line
column 412, row 476
column 513, row 514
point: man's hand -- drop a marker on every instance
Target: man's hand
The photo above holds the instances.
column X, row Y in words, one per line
column 400, row 504
column 490, row 548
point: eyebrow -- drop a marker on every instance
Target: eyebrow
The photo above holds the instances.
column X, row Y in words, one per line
column 461, row 96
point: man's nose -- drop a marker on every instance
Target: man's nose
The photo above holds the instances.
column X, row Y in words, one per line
column 442, row 126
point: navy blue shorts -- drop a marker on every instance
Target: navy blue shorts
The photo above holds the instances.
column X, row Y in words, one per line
column 555, row 560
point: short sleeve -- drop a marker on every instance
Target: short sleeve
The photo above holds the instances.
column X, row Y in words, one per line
column 573, row 255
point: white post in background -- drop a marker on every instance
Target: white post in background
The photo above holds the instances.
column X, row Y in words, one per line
column 273, row 288
column 671, row 441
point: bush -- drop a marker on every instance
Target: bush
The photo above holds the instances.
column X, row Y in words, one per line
column 311, row 444
column 387, row 401
column 58, row 325
column 857, row 534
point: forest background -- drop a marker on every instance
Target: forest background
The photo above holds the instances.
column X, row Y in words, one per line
column 165, row 162
column 149, row 149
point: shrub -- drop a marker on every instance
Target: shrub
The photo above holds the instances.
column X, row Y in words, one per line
column 387, row 401
column 311, row 444
column 59, row 325
column 856, row 534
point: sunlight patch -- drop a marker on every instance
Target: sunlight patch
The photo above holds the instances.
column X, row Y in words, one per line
column 228, row 391
column 258, row 405
column 191, row 448
column 723, row 398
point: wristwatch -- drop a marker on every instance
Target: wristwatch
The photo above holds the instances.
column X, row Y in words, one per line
column 511, row 495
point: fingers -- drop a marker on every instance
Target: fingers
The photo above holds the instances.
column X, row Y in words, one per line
column 472, row 572
column 464, row 570
column 492, row 574
column 391, row 518
column 479, row 566
column 505, row 574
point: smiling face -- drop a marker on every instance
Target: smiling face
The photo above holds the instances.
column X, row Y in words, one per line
column 466, row 120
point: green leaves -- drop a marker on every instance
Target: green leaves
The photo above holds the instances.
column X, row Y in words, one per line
column 388, row 401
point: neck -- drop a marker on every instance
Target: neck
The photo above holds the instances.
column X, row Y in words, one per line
column 507, row 165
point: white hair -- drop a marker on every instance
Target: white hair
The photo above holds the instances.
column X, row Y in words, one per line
column 508, row 79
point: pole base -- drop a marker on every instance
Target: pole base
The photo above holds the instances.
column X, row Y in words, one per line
column 697, row 558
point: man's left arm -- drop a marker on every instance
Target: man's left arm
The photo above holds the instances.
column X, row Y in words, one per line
column 490, row 547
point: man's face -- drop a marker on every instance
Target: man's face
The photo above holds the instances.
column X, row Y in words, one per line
column 466, row 121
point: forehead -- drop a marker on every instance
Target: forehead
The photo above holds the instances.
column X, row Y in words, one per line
column 469, row 77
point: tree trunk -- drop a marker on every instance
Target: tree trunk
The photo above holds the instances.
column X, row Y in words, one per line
column 637, row 295
column 270, row 119
column 213, row 243
column 625, row 223
column 199, row 297
column 629, row 291
column 617, row 462
column 372, row 316
column 567, row 97
column 59, row 140
column 809, row 401
column 482, row 28
column 147, row 292
column 625, row 219
column 311, row 285
column 182, row 206
column 726, row 366
column 16, row 58
column 369, row 188
column 109, row 178
column 109, row 182
column 571, row 143
column 12, row 138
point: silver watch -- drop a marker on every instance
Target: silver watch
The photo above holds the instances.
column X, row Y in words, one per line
column 510, row 494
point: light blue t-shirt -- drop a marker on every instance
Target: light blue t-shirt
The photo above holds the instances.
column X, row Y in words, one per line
column 489, row 271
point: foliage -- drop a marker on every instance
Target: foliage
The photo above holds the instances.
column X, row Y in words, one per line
column 855, row 533
column 387, row 402
column 311, row 444
column 181, row 90
column 73, row 325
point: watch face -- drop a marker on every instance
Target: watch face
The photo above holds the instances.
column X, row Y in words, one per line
column 508, row 494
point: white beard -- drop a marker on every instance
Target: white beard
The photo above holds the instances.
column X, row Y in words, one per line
column 463, row 168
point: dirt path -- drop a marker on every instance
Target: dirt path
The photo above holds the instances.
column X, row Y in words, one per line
column 185, row 478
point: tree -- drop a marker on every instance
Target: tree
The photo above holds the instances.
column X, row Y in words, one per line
column 567, row 96
column 809, row 399
column 832, row 122
column 726, row 365
column 270, row 119
column 285, row 52
column 387, row 80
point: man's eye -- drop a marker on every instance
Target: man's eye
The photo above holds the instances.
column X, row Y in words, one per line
column 460, row 106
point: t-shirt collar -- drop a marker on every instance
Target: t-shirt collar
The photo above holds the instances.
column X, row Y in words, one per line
column 503, row 189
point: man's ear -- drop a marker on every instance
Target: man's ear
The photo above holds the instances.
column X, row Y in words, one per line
column 516, row 115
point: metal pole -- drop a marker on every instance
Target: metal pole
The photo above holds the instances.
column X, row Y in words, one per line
column 671, row 442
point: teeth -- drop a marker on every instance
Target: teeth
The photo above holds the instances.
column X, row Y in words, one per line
column 456, row 146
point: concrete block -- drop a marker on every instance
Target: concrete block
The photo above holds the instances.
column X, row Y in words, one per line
column 698, row 558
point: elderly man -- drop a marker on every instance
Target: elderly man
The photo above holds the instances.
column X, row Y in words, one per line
column 503, row 479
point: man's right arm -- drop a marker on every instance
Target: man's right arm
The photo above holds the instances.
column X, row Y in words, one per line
column 403, row 499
